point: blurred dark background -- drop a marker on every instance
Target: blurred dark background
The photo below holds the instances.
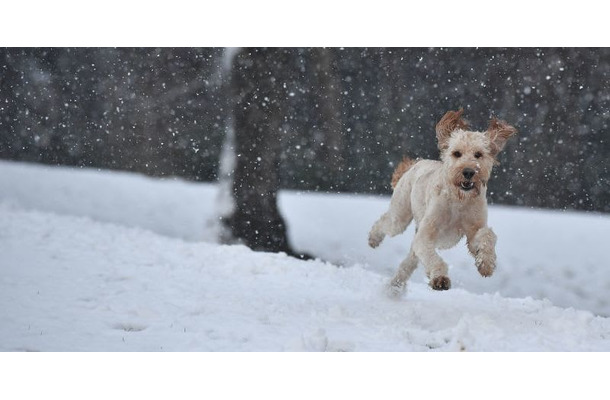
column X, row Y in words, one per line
column 351, row 114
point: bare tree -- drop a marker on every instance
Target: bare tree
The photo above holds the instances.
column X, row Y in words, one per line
column 327, row 94
column 258, row 84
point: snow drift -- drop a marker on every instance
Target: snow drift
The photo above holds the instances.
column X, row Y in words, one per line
column 109, row 261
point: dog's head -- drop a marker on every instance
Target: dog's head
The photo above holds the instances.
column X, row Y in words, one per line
column 468, row 156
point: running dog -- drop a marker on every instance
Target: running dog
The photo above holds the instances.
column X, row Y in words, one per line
column 447, row 200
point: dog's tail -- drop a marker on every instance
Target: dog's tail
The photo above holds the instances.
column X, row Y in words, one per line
column 402, row 169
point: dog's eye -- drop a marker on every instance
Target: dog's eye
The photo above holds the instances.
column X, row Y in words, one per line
column 457, row 154
column 478, row 154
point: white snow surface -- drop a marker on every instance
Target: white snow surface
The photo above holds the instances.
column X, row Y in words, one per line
column 111, row 261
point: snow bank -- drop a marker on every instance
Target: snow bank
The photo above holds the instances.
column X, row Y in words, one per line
column 118, row 262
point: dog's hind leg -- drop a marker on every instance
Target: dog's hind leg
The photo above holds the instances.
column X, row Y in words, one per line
column 405, row 270
column 424, row 248
column 396, row 219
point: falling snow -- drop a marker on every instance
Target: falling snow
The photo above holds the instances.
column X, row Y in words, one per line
column 349, row 116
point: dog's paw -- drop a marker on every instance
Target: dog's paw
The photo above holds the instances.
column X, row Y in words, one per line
column 486, row 271
column 395, row 290
column 375, row 239
column 440, row 283
column 486, row 268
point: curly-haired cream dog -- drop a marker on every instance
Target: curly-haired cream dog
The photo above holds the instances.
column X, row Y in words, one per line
column 447, row 200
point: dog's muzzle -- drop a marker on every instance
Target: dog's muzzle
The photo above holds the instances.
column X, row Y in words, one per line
column 468, row 174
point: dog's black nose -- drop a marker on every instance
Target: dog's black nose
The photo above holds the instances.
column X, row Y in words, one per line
column 468, row 173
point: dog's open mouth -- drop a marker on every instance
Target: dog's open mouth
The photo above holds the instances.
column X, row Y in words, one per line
column 467, row 185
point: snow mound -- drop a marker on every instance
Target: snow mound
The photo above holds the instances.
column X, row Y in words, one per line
column 87, row 267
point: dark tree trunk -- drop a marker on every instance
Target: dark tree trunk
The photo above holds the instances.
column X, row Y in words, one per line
column 258, row 86
column 328, row 106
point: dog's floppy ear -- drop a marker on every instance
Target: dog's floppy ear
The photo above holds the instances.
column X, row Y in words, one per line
column 451, row 121
column 499, row 132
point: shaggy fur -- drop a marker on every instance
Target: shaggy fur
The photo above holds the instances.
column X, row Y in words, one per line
column 400, row 170
column 447, row 200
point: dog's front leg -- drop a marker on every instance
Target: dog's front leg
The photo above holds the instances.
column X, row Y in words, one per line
column 482, row 246
column 424, row 248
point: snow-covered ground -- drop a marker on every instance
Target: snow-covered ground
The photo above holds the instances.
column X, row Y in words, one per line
column 111, row 261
